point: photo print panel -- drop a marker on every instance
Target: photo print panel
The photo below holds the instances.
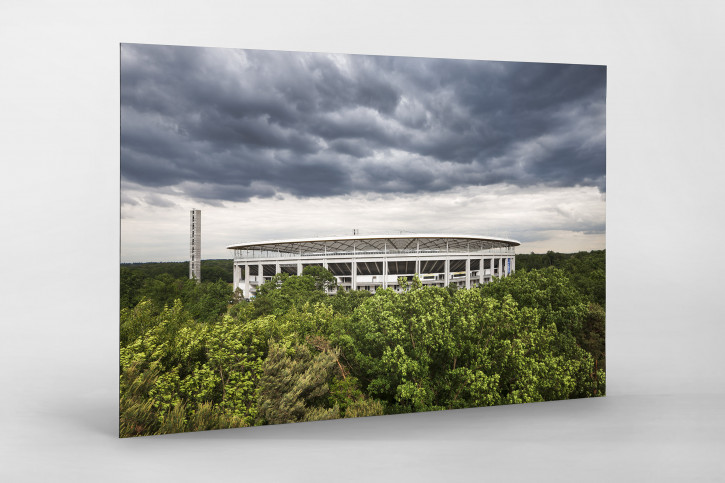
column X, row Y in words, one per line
column 381, row 235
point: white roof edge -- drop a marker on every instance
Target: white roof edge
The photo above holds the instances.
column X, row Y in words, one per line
column 371, row 237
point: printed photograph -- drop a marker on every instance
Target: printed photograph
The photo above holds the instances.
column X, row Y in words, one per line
column 315, row 236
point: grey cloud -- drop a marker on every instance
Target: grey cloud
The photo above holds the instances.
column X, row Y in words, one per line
column 529, row 236
column 233, row 124
column 544, row 233
column 156, row 200
column 352, row 147
column 128, row 200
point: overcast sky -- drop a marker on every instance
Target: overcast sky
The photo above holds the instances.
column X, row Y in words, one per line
column 274, row 145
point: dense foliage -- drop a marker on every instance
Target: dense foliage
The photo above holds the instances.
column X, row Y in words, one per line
column 195, row 356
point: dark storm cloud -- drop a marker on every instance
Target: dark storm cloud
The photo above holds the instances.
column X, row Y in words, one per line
column 231, row 124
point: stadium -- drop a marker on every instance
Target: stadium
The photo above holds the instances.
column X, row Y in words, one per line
column 368, row 262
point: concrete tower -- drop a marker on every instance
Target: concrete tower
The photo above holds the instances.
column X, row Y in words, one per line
column 195, row 245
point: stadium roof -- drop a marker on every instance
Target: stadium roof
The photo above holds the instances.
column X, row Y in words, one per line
column 379, row 243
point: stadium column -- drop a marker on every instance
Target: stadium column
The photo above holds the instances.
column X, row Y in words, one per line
column 260, row 275
column 299, row 268
column 480, row 271
column 276, row 267
column 237, row 269
column 325, row 266
column 385, row 272
column 246, row 281
column 447, row 274
column 417, row 258
column 513, row 264
column 500, row 272
column 353, row 275
column 468, row 273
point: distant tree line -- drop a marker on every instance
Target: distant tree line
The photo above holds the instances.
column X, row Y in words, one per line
column 198, row 356
column 586, row 270
column 138, row 279
column 210, row 269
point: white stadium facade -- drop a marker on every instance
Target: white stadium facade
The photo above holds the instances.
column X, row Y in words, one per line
column 368, row 262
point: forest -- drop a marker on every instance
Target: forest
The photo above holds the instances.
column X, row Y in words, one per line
column 197, row 356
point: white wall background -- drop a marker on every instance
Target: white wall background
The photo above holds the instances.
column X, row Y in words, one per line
column 59, row 187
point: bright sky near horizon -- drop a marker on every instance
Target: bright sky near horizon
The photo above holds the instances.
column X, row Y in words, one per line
column 276, row 145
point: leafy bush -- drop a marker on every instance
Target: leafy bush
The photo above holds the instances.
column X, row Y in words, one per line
column 194, row 357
